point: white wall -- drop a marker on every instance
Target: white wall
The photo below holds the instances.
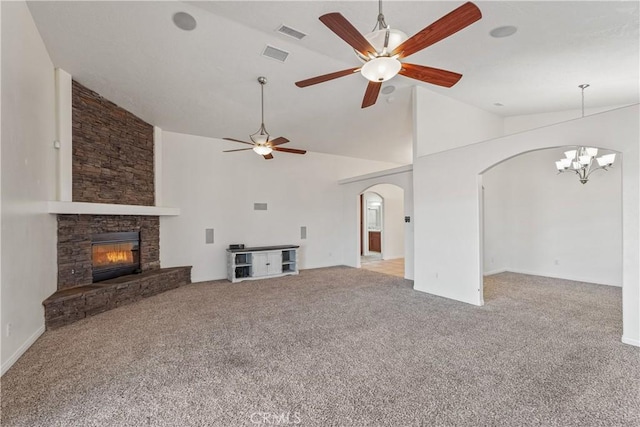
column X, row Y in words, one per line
column 393, row 220
column 496, row 224
column 28, row 180
column 401, row 177
column 447, row 205
column 217, row 190
column 515, row 124
column 539, row 222
column 450, row 123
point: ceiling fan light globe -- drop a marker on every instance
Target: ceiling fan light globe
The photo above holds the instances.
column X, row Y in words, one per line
column 263, row 150
column 381, row 69
column 376, row 38
column 260, row 139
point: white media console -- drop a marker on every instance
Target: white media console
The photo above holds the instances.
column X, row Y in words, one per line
column 261, row 262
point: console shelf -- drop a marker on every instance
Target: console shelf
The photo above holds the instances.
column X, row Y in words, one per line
column 261, row 262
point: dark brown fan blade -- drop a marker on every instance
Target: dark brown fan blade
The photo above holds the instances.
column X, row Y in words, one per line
column 449, row 24
column 326, row 77
column 347, row 32
column 434, row 76
column 278, row 141
column 238, row 149
column 371, row 94
column 268, row 156
column 289, row 150
column 237, row 140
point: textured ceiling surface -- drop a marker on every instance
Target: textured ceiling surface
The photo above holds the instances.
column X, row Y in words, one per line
column 203, row 82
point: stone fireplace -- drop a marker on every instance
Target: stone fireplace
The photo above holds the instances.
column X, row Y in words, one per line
column 106, row 256
column 76, row 245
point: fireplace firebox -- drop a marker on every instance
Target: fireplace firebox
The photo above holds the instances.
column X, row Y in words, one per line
column 115, row 254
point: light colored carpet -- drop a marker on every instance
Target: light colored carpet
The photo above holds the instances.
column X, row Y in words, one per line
column 337, row 347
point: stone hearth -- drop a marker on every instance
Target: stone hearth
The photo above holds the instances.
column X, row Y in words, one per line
column 72, row 304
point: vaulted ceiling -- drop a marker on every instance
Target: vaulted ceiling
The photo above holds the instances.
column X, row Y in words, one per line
column 203, row 82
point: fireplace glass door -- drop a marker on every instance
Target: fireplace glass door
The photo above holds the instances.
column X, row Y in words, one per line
column 115, row 254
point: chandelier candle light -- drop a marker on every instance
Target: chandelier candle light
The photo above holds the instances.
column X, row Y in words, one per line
column 581, row 160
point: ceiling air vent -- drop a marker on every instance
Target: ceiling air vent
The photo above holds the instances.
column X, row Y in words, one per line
column 288, row 31
column 275, row 53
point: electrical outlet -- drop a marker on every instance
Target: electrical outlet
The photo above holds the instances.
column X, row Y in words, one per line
column 9, row 328
column 556, row 262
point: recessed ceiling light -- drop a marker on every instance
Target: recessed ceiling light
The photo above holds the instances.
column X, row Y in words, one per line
column 184, row 21
column 505, row 31
column 388, row 89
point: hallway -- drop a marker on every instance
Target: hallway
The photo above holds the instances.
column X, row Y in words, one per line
column 394, row 267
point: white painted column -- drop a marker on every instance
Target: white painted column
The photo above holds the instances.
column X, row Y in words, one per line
column 64, row 135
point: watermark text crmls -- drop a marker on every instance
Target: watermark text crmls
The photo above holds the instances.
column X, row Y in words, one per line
column 275, row 418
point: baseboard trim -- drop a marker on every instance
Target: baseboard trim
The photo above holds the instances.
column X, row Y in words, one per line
column 492, row 272
column 630, row 341
column 571, row 278
column 20, row 351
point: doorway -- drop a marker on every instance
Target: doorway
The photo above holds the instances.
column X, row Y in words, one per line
column 529, row 223
column 382, row 229
column 371, row 230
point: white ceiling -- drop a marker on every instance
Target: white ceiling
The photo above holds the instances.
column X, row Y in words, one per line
column 203, row 82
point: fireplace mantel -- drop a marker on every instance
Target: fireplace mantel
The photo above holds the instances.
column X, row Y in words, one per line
column 83, row 208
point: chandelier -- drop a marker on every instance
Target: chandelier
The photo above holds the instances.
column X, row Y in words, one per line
column 582, row 161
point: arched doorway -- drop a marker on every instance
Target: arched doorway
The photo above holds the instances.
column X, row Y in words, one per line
column 382, row 234
column 536, row 222
column 401, row 177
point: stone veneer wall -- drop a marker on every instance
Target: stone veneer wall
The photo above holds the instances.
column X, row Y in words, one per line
column 74, row 243
column 112, row 152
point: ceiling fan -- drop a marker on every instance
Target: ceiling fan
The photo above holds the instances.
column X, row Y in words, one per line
column 261, row 140
column 382, row 50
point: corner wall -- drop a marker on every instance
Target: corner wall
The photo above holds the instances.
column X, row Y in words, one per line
column 28, row 272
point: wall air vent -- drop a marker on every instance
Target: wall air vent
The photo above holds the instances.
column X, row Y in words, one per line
column 275, row 53
column 288, row 31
